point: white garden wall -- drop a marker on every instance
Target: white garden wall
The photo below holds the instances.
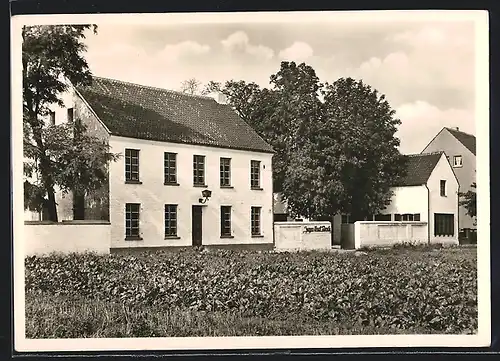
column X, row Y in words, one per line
column 66, row 237
column 302, row 235
column 383, row 234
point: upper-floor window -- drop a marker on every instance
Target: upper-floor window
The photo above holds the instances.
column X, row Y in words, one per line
column 70, row 115
column 52, row 117
column 132, row 220
column 255, row 174
column 199, row 170
column 225, row 172
column 170, row 168
column 131, row 165
column 442, row 188
column 457, row 161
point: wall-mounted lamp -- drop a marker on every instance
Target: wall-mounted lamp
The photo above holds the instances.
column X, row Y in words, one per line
column 206, row 194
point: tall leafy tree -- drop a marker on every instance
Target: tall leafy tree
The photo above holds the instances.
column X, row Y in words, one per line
column 469, row 200
column 336, row 150
column 279, row 113
column 57, row 155
column 349, row 158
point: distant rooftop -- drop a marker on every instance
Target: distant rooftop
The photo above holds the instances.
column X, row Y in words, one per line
column 468, row 140
column 419, row 168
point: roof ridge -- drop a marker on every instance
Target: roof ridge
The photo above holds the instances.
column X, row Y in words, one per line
column 460, row 131
column 424, row 154
column 153, row 87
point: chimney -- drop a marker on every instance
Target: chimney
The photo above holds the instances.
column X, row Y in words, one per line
column 219, row 97
column 456, row 128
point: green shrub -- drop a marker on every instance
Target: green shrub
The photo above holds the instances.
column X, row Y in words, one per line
column 390, row 289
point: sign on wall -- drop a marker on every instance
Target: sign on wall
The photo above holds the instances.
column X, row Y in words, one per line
column 316, row 229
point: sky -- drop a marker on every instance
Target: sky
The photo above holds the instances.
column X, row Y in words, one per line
column 425, row 68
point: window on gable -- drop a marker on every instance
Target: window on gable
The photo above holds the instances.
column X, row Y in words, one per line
column 255, row 220
column 132, row 221
column 444, row 224
column 457, row 161
column 170, row 168
column 255, row 174
column 199, row 170
column 442, row 188
column 170, row 220
column 225, row 172
column 225, row 221
column 131, row 165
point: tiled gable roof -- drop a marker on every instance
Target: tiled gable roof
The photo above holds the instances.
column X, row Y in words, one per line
column 419, row 168
column 137, row 111
column 468, row 140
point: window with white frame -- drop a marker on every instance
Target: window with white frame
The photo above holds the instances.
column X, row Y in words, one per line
column 131, row 165
column 225, row 221
column 225, row 172
column 132, row 221
column 255, row 221
column 170, row 220
column 457, row 161
column 255, row 174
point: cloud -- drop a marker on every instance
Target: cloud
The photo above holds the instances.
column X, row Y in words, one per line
column 429, row 64
column 185, row 49
column 434, row 36
column 239, row 42
column 298, row 52
column 421, row 121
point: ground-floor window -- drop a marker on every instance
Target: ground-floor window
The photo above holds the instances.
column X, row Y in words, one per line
column 444, row 224
column 407, row 217
column 132, row 220
column 225, row 221
column 255, row 220
column 170, row 220
column 383, row 217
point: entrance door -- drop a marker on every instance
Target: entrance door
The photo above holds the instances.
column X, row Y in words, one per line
column 197, row 225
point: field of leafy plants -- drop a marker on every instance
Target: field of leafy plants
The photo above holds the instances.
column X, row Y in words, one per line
column 428, row 290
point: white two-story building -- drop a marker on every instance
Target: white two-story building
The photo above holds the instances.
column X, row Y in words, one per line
column 191, row 171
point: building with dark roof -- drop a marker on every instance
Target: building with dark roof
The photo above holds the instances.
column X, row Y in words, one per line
column 460, row 150
column 191, row 171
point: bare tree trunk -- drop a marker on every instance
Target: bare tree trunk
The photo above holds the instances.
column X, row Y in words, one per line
column 46, row 177
column 51, row 204
column 78, row 205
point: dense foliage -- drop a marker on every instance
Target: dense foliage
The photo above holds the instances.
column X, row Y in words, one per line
column 335, row 143
column 469, row 200
column 62, row 155
column 432, row 290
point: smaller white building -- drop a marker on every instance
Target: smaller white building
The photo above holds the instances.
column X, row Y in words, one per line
column 423, row 209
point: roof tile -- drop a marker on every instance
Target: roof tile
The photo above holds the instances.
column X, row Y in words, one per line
column 138, row 111
column 419, row 168
column 468, row 140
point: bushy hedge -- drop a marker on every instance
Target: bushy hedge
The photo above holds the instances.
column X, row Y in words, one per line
column 435, row 290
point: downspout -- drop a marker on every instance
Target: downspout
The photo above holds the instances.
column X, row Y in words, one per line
column 428, row 214
column 458, row 214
